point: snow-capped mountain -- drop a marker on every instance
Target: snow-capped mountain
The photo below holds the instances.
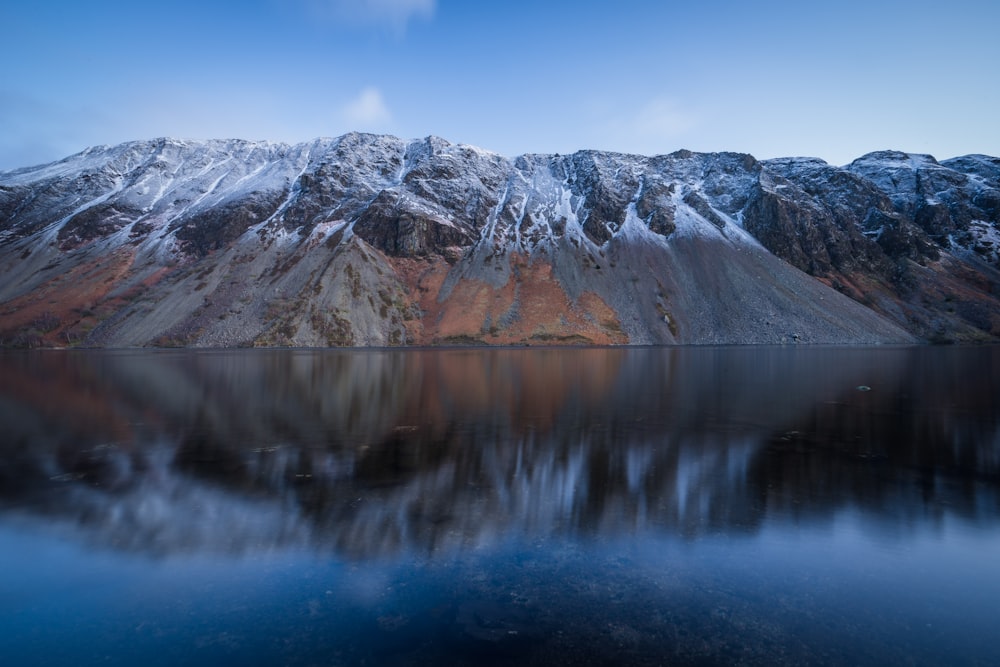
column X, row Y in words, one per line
column 375, row 240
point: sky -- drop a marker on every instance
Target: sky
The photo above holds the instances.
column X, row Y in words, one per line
column 774, row 78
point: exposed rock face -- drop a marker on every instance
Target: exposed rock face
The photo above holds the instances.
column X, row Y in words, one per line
column 373, row 240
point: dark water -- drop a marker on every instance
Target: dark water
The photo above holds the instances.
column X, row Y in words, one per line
column 533, row 507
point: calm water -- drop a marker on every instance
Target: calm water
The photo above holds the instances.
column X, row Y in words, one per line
column 701, row 506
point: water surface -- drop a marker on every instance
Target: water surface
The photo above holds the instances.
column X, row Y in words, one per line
column 517, row 506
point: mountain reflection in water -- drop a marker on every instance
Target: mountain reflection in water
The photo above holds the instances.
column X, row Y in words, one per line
column 380, row 453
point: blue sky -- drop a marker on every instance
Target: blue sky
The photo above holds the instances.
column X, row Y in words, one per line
column 771, row 78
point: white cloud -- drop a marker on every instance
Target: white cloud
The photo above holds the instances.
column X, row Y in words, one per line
column 394, row 13
column 367, row 111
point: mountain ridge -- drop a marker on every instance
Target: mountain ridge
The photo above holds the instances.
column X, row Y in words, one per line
column 373, row 240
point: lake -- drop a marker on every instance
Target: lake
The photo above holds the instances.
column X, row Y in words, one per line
column 634, row 506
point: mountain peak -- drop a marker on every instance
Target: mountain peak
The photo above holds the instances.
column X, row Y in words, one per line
column 896, row 158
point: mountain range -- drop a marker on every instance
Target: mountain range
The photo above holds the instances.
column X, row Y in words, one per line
column 372, row 240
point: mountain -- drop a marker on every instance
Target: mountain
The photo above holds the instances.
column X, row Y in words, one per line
column 377, row 241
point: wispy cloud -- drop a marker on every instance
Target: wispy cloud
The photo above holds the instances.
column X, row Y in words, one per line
column 655, row 125
column 395, row 14
column 367, row 111
column 34, row 130
column 661, row 118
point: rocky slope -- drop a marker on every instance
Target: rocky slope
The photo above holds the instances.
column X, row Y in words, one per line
column 374, row 240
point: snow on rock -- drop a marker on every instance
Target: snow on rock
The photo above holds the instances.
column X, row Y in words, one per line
column 218, row 228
